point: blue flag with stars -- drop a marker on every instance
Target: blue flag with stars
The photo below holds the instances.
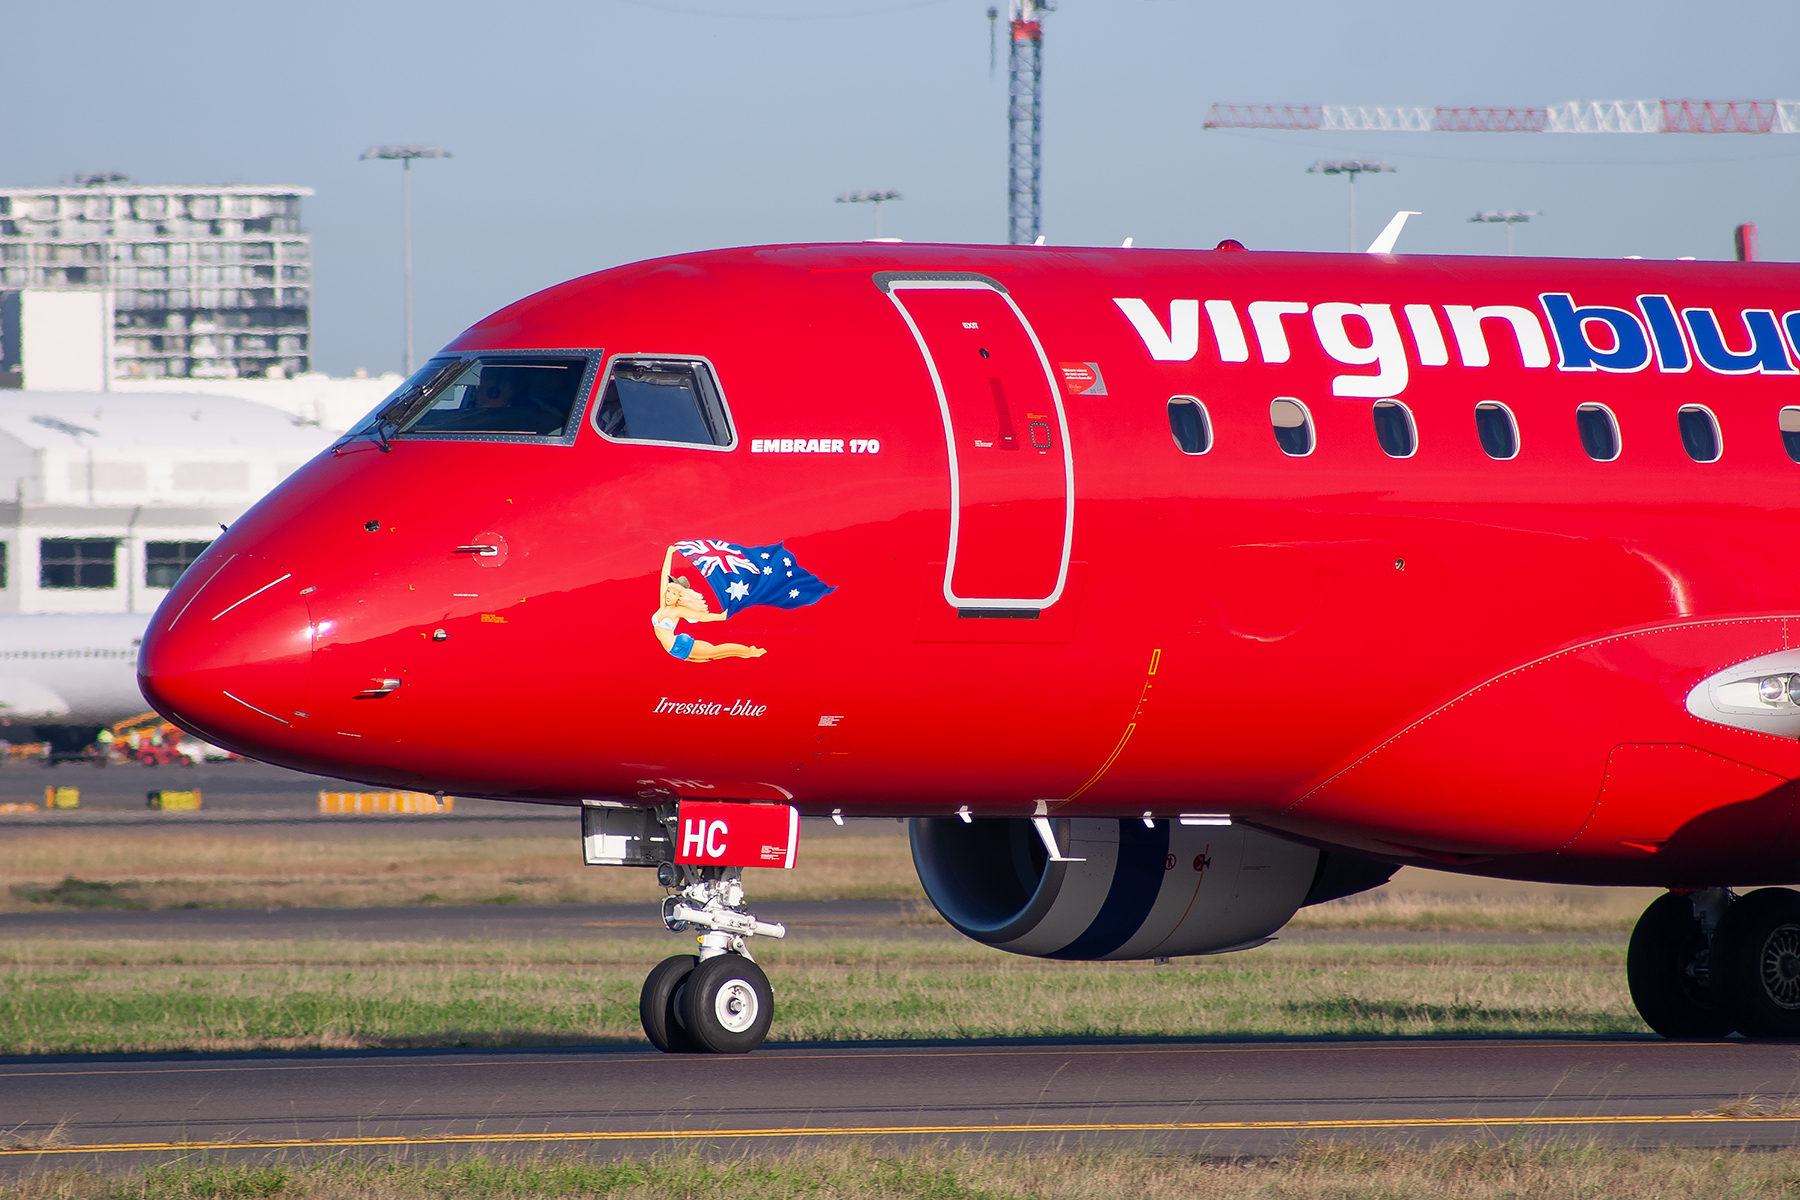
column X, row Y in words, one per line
column 742, row 576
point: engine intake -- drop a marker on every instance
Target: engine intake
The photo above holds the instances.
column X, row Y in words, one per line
column 1162, row 890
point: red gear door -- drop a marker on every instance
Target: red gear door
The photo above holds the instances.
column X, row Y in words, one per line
column 1012, row 507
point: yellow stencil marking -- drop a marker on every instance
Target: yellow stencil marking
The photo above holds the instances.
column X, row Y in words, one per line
column 1130, row 728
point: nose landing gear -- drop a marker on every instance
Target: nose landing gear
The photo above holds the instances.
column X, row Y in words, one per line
column 1706, row 963
column 718, row 1001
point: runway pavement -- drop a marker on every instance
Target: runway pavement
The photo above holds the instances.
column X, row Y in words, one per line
column 1217, row 1096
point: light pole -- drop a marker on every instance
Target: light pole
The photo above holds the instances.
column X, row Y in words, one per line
column 1507, row 217
column 406, row 154
column 1351, row 167
column 875, row 198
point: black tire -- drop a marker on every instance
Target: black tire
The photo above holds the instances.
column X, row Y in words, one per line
column 656, row 1005
column 1756, row 963
column 727, row 1005
column 1666, row 944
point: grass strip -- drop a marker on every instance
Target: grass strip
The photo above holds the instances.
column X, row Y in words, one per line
column 59, row 997
column 1520, row 1169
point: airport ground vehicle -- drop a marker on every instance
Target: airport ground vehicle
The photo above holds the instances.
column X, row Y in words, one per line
column 1165, row 592
column 151, row 740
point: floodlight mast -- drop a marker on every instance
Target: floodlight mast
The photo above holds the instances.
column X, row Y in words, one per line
column 1025, row 120
column 875, row 198
column 1507, row 217
column 1351, row 167
column 406, row 154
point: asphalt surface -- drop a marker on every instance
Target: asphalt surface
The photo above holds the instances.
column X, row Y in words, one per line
column 1215, row 1096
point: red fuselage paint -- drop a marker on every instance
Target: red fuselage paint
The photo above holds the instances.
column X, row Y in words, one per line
column 1445, row 658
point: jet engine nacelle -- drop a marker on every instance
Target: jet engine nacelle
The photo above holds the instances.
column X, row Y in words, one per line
column 1156, row 891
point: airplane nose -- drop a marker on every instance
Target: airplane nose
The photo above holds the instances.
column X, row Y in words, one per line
column 233, row 657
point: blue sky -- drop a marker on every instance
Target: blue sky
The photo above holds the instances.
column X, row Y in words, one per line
column 590, row 134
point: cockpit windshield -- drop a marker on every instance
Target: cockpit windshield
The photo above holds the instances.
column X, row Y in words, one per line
column 503, row 395
column 495, row 394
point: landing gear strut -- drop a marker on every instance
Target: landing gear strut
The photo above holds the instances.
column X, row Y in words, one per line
column 1706, row 963
column 718, row 1001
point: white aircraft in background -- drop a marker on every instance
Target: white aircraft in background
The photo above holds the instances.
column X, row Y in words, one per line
column 65, row 676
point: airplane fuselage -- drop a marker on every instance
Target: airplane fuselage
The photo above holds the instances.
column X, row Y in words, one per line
column 1347, row 611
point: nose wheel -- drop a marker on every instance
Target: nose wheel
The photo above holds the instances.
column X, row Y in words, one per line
column 726, row 1005
column 1705, row 964
column 719, row 1001
column 656, row 1005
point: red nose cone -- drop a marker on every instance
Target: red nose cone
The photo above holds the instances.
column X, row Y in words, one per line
column 232, row 658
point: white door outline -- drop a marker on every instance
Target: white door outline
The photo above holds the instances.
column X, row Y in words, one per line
column 891, row 286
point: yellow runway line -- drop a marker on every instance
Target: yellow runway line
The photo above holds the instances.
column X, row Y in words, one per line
column 652, row 1135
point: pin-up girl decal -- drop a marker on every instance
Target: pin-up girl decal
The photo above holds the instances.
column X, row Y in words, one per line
column 682, row 603
column 738, row 577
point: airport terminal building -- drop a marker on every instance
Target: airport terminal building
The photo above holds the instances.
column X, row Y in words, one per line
column 106, row 497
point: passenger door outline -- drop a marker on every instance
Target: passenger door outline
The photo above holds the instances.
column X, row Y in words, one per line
column 891, row 283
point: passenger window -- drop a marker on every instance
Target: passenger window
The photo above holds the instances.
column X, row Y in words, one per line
column 1394, row 429
column 1498, row 432
column 674, row 402
column 1790, row 432
column 1293, row 426
column 509, row 394
column 1699, row 433
column 1599, row 432
column 1189, row 423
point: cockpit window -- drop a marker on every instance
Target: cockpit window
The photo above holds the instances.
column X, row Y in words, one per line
column 532, row 396
column 492, row 396
column 667, row 401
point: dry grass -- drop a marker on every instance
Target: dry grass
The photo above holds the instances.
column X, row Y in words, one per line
column 1422, row 900
column 60, row 996
column 198, row 869
column 1345, row 1171
column 194, row 869
column 1463, row 913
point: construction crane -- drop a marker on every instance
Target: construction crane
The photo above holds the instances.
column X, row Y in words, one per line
column 1024, row 118
column 1577, row 116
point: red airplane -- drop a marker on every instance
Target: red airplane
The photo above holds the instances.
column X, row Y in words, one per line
column 1165, row 592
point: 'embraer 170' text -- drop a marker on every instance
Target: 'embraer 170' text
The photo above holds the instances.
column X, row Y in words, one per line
column 1586, row 337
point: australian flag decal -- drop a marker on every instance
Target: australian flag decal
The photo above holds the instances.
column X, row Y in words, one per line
column 742, row 576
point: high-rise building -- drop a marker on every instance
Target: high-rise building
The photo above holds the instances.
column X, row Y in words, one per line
column 188, row 282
